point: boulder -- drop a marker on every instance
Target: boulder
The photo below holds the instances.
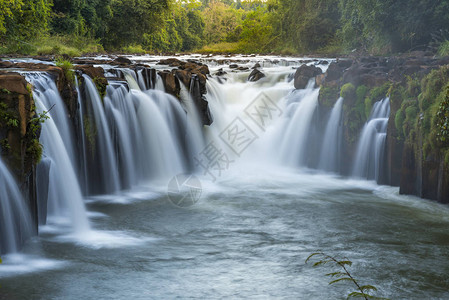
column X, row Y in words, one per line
column 171, row 83
column 303, row 74
column 220, row 72
column 172, row 62
column 255, row 75
column 122, row 60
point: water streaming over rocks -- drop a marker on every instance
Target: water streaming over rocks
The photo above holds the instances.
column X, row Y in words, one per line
column 369, row 158
column 263, row 209
column 15, row 221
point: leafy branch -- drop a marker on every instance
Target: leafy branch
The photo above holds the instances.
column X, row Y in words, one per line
column 363, row 291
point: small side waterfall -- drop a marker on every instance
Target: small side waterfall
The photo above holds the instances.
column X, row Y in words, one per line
column 15, row 220
column 331, row 146
column 63, row 194
column 371, row 146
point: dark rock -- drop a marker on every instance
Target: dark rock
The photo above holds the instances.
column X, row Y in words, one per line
column 220, row 72
column 171, row 83
column 5, row 64
column 255, row 75
column 303, row 74
column 97, row 75
column 172, row 62
column 334, row 72
column 123, row 60
column 233, row 66
column 257, row 65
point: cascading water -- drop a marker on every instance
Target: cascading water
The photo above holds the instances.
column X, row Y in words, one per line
column 63, row 194
column 101, row 142
column 368, row 162
column 301, row 105
column 331, row 146
column 15, row 220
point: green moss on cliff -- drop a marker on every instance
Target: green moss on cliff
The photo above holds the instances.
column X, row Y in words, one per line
column 347, row 91
column 328, row 95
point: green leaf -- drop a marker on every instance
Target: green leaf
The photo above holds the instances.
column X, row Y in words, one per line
column 312, row 255
column 345, row 262
column 342, row 279
column 336, row 274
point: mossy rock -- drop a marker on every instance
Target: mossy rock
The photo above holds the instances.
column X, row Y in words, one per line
column 328, row 95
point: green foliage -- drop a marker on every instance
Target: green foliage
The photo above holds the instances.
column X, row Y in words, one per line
column 67, row 67
column 284, row 26
column 223, row 47
column 443, row 119
column 21, row 20
column 8, row 119
column 399, row 119
column 34, row 148
column 306, row 25
column 443, row 49
column 328, row 95
column 256, row 32
column 132, row 19
column 220, row 20
column 362, row 291
column 391, row 25
column 347, row 91
column 133, row 49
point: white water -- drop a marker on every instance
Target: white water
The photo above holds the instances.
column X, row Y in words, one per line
column 331, row 146
column 106, row 158
column 250, row 233
column 371, row 145
column 300, row 108
column 63, row 198
column 15, row 219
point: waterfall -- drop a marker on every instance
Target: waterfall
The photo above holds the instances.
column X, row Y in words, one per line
column 63, row 193
column 163, row 155
column 331, row 146
column 104, row 148
column 80, row 135
column 371, row 146
column 194, row 133
column 15, row 219
column 301, row 105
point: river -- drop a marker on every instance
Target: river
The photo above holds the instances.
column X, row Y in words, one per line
column 249, row 226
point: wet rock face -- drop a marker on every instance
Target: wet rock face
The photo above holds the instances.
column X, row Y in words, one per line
column 256, row 75
column 303, row 74
column 193, row 76
column 415, row 171
column 122, row 60
column 18, row 141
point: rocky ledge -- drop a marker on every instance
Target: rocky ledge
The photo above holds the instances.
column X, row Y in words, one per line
column 417, row 144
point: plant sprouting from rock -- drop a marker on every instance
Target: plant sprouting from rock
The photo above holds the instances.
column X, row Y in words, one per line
column 362, row 291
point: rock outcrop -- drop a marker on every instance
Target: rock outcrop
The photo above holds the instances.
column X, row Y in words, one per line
column 414, row 159
column 255, row 75
column 303, row 74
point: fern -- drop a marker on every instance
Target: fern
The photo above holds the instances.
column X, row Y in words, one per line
column 363, row 291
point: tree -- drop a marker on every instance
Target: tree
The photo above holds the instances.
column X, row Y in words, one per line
column 134, row 18
column 22, row 19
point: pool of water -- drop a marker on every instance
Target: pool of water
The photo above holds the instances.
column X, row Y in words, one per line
column 247, row 237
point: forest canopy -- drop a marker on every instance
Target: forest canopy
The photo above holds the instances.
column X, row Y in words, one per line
column 74, row 27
